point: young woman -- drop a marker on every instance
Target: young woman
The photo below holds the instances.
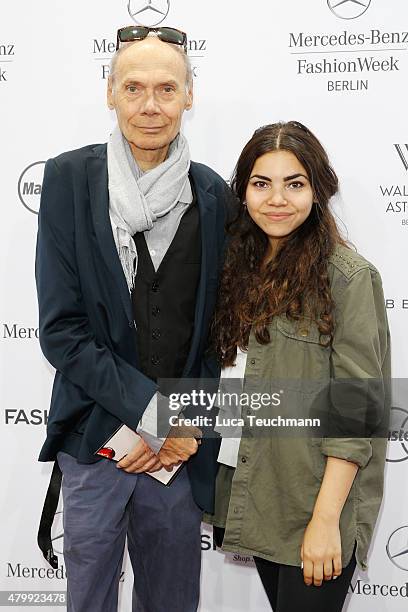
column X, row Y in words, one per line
column 302, row 314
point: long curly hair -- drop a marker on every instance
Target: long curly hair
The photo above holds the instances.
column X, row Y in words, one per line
column 295, row 282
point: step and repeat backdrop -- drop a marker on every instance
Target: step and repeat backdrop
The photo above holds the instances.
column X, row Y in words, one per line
column 340, row 67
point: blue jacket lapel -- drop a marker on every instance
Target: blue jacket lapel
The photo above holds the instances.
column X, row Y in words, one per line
column 99, row 199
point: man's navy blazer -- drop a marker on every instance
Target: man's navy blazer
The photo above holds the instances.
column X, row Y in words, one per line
column 86, row 324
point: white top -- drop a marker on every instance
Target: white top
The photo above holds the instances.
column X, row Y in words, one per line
column 229, row 449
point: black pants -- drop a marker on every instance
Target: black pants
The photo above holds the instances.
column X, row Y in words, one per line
column 287, row 591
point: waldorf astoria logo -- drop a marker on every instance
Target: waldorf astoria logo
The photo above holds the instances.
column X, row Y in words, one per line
column 348, row 9
column 402, row 150
column 394, row 195
column 148, row 12
column 30, row 185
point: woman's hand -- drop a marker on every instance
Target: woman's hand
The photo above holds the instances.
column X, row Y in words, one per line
column 321, row 550
column 321, row 546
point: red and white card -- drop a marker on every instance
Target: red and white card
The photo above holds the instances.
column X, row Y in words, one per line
column 122, row 442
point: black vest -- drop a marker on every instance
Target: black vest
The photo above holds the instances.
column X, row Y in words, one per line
column 164, row 301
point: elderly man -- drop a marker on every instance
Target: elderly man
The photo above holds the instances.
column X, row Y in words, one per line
column 129, row 249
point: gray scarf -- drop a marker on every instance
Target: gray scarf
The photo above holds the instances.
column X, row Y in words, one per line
column 137, row 199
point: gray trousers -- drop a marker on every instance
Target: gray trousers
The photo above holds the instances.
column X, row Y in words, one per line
column 103, row 505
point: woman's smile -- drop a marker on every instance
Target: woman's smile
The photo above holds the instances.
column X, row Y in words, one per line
column 279, row 217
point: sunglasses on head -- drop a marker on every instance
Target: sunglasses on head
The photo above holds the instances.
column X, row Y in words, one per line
column 168, row 35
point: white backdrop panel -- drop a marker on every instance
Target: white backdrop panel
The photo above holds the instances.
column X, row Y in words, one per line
column 341, row 73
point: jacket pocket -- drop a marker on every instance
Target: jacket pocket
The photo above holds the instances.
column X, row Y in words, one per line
column 306, row 361
column 304, row 330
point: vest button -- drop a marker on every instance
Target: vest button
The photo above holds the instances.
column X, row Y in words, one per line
column 155, row 311
column 156, row 334
column 155, row 286
column 155, row 360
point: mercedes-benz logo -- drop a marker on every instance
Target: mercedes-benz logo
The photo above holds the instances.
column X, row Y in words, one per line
column 148, row 12
column 348, row 9
column 398, row 435
column 57, row 534
column 397, row 548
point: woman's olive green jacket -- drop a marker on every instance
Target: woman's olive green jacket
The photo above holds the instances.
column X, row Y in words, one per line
column 266, row 503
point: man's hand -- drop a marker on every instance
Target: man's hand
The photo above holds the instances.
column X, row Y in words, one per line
column 180, row 445
column 140, row 459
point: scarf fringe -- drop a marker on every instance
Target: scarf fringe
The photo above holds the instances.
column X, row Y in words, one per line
column 128, row 261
